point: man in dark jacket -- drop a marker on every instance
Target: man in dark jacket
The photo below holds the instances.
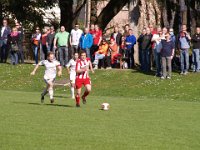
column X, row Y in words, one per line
column 117, row 36
column 146, row 49
column 5, row 32
column 196, row 50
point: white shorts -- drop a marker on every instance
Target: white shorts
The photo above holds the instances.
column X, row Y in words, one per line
column 72, row 77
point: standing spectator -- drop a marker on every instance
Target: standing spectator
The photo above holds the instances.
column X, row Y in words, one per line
column 36, row 39
column 106, row 35
column 184, row 46
column 13, row 40
column 5, row 32
column 50, row 39
column 126, row 30
column 167, row 54
column 61, row 42
column 44, row 51
column 146, row 49
column 122, row 51
column 130, row 42
column 116, row 35
column 86, row 42
column 140, row 40
column 172, row 36
column 92, row 29
column 74, row 39
column 196, row 50
column 20, row 44
column 97, row 37
column 158, row 46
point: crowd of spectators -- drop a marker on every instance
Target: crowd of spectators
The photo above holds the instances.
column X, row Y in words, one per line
column 159, row 48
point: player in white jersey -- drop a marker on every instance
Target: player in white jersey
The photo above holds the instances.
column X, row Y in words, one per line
column 71, row 68
column 50, row 74
column 83, row 66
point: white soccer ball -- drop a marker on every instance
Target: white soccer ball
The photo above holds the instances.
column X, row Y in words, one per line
column 105, row 106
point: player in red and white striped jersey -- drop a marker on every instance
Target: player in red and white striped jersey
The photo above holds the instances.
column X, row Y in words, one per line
column 82, row 77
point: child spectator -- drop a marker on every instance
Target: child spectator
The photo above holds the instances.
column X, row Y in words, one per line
column 167, row 53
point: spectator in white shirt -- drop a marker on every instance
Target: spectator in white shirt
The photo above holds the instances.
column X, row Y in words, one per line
column 74, row 39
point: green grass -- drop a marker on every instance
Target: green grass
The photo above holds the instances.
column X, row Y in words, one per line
column 146, row 113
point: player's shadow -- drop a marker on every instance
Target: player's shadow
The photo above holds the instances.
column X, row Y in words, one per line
column 52, row 105
column 60, row 96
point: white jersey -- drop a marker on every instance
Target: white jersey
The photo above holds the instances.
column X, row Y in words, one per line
column 72, row 65
column 75, row 36
column 50, row 71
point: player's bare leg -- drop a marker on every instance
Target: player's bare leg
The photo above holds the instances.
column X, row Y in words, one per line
column 50, row 83
column 72, row 90
column 86, row 93
column 78, row 95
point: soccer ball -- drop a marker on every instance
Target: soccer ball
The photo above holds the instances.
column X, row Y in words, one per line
column 105, row 106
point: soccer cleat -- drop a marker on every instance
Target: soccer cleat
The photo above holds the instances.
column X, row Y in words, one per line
column 42, row 98
column 52, row 101
column 168, row 77
column 84, row 100
column 162, row 77
column 77, row 105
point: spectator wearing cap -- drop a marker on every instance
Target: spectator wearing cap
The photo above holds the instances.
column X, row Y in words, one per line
column 184, row 46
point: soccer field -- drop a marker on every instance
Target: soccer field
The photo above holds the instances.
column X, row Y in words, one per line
column 146, row 113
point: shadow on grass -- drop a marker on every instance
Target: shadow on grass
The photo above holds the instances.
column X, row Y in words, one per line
column 40, row 104
column 59, row 96
column 58, row 105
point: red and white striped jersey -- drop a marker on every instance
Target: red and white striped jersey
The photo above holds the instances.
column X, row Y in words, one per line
column 80, row 65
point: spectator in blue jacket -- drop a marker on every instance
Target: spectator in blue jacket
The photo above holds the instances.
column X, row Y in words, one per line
column 86, row 42
column 130, row 42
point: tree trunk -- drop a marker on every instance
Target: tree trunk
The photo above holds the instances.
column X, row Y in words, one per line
column 157, row 12
column 88, row 16
column 66, row 10
column 165, row 15
column 134, row 14
column 183, row 11
column 111, row 9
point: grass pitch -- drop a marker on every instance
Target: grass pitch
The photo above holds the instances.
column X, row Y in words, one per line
column 146, row 112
